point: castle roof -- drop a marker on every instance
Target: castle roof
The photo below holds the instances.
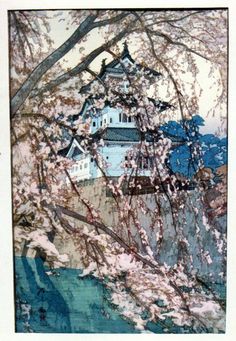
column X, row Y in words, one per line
column 119, row 134
column 110, row 134
column 64, row 151
column 116, row 67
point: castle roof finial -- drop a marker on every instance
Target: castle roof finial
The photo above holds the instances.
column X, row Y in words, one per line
column 125, row 50
column 103, row 65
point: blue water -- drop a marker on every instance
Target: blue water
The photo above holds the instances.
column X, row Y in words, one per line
column 63, row 303
column 66, row 303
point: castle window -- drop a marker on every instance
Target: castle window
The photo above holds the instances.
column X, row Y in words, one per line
column 110, row 119
column 140, row 164
column 124, row 118
column 80, row 167
column 94, row 124
column 100, row 123
column 105, row 121
column 91, row 159
column 145, row 163
column 107, row 157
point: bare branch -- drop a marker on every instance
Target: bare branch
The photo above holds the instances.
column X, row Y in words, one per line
column 39, row 116
column 86, row 26
column 112, row 20
column 83, row 65
column 24, row 91
column 179, row 19
column 172, row 42
column 187, row 33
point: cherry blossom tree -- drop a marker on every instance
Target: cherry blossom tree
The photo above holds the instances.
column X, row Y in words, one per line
column 44, row 95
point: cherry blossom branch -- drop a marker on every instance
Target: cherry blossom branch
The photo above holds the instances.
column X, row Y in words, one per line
column 58, row 209
column 103, row 228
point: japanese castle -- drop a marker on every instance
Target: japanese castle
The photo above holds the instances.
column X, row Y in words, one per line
column 111, row 124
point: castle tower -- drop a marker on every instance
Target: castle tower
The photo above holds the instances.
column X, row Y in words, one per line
column 110, row 123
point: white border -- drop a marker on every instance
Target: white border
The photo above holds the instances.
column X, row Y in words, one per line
column 6, row 266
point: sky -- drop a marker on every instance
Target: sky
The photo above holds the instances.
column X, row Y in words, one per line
column 206, row 101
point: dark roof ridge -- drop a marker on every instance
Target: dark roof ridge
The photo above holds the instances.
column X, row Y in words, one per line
column 124, row 54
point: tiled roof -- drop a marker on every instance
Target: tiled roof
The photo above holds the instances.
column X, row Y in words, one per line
column 63, row 152
column 76, row 152
column 121, row 134
column 112, row 135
